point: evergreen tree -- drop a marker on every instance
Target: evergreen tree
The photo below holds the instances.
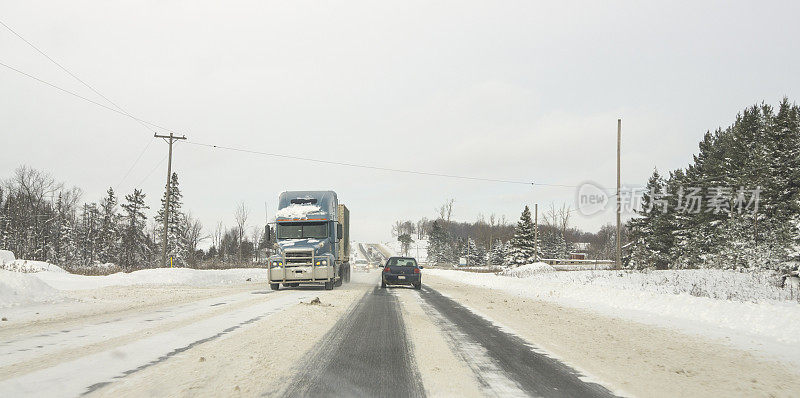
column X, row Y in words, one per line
column 176, row 241
column 109, row 238
column 439, row 249
column 135, row 244
column 497, row 254
column 472, row 253
column 522, row 249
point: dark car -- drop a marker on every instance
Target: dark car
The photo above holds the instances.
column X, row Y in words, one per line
column 402, row 271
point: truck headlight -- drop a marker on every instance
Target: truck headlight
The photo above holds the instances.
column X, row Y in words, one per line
column 324, row 262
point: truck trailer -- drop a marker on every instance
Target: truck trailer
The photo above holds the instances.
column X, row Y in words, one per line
column 312, row 238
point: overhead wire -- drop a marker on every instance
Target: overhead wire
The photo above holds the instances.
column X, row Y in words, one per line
column 278, row 155
column 362, row 166
column 90, row 87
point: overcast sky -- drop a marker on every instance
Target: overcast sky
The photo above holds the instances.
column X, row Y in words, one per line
column 527, row 91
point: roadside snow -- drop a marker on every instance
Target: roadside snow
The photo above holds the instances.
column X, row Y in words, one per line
column 18, row 288
column 733, row 307
column 524, row 271
column 157, row 276
column 21, row 288
column 30, row 266
column 297, row 211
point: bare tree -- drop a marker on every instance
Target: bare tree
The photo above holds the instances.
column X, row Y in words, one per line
column 558, row 218
column 446, row 210
column 256, row 235
column 241, row 215
column 194, row 235
column 216, row 238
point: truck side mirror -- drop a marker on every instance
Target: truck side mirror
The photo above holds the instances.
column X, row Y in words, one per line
column 339, row 231
column 268, row 233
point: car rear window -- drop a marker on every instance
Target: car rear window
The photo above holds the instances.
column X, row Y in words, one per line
column 402, row 262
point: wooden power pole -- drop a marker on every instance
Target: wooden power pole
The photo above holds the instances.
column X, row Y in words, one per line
column 619, row 200
column 536, row 231
column 169, row 139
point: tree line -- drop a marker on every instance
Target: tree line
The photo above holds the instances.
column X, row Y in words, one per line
column 496, row 242
column 42, row 219
column 736, row 205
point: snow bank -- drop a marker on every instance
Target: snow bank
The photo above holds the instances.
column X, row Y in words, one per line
column 157, row 276
column 714, row 303
column 19, row 288
column 6, row 256
column 30, row 266
column 524, row 271
column 297, row 211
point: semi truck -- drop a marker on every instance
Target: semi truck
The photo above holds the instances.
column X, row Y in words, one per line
column 312, row 238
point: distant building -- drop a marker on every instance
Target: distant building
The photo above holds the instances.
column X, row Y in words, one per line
column 577, row 256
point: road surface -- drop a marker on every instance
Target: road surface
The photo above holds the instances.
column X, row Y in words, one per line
column 356, row 341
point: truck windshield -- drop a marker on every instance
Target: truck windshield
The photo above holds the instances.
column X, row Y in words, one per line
column 318, row 230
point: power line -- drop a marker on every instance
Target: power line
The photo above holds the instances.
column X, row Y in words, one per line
column 153, row 170
column 362, row 166
column 87, row 85
column 67, row 71
column 83, row 98
column 149, row 142
column 416, row 172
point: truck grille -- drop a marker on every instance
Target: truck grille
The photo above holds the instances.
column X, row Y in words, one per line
column 299, row 257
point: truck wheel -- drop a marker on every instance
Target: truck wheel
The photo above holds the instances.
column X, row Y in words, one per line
column 275, row 286
column 347, row 274
column 328, row 285
column 338, row 282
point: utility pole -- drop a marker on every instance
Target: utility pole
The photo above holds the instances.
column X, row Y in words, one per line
column 536, row 231
column 619, row 200
column 169, row 139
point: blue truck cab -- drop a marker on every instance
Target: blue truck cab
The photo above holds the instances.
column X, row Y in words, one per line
column 312, row 231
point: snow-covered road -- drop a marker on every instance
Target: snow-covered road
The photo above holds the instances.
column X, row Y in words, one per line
column 450, row 339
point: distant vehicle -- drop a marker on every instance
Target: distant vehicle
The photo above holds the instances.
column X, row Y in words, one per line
column 312, row 233
column 402, row 271
column 361, row 265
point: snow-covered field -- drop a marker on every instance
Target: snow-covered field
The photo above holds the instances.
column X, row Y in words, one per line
column 747, row 310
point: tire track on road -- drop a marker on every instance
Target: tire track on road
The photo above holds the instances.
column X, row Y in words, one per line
column 366, row 354
column 504, row 364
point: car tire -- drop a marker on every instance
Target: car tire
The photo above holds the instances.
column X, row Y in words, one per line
column 328, row 285
column 418, row 286
column 275, row 286
column 383, row 284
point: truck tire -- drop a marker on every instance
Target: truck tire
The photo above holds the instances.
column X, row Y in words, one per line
column 275, row 286
column 338, row 282
column 328, row 285
column 347, row 274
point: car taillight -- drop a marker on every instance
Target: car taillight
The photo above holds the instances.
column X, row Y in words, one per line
column 386, row 269
column 416, row 270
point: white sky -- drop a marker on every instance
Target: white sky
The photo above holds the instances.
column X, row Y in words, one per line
column 526, row 91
